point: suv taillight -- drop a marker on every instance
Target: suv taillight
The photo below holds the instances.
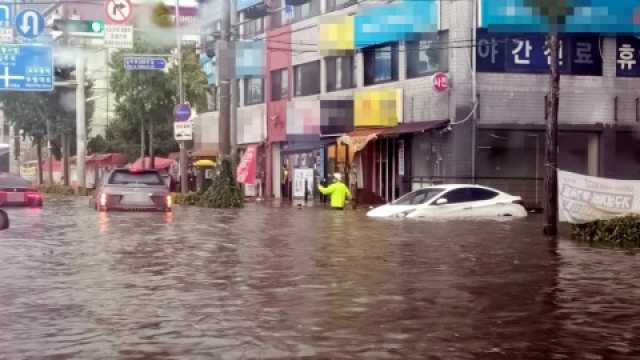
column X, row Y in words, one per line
column 169, row 201
column 103, row 199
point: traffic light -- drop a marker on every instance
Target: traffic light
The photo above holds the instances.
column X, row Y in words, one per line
column 79, row 26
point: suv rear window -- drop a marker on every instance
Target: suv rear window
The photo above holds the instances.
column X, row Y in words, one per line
column 125, row 177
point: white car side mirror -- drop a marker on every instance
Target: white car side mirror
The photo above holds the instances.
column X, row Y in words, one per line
column 442, row 201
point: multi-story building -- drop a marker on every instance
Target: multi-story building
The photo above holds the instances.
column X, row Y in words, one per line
column 372, row 112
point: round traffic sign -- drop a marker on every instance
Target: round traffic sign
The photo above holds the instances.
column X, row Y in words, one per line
column 29, row 23
column 118, row 11
column 182, row 112
column 440, row 82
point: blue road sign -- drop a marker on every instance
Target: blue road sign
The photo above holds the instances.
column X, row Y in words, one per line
column 29, row 24
column 182, row 112
column 26, row 68
column 144, row 62
column 6, row 14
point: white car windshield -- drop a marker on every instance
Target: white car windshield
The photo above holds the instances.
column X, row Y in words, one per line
column 418, row 197
column 139, row 178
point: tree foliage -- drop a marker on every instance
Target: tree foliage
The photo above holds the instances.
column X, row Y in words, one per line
column 149, row 97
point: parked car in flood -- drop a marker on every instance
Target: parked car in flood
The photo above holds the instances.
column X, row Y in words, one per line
column 124, row 189
column 442, row 201
column 16, row 191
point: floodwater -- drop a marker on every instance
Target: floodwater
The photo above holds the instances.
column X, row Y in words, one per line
column 271, row 282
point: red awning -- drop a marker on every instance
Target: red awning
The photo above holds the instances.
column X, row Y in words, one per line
column 160, row 164
column 414, row 127
column 108, row 159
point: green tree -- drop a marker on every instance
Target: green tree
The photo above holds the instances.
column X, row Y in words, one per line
column 30, row 111
column 146, row 99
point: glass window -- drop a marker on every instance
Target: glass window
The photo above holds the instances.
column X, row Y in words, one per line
column 124, row 177
column 333, row 5
column 253, row 90
column 381, row 64
column 428, row 55
column 340, row 74
column 307, row 79
column 306, row 10
column 458, row 196
column 252, row 28
column 279, row 84
column 479, row 194
column 418, row 197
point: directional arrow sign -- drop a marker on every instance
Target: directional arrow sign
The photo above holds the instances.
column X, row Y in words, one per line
column 144, row 62
column 29, row 24
column 26, row 68
column 6, row 17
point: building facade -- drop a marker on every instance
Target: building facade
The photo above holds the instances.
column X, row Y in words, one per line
column 370, row 109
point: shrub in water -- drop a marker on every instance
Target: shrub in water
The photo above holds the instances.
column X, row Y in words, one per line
column 622, row 232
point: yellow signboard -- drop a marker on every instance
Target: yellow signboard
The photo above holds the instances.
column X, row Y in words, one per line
column 336, row 35
column 378, row 108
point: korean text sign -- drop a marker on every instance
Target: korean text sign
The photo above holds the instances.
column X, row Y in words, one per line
column 526, row 53
column 583, row 199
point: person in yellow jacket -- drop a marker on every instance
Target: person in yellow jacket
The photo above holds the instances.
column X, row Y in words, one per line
column 338, row 191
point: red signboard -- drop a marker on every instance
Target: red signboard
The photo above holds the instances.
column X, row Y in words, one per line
column 118, row 12
column 440, row 82
column 247, row 167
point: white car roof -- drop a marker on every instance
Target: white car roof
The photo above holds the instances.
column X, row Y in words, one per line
column 458, row 186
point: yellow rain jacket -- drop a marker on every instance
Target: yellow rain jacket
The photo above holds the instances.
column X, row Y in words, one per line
column 338, row 192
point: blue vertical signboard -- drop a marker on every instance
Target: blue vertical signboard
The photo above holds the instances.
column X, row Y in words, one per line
column 26, row 68
column 527, row 54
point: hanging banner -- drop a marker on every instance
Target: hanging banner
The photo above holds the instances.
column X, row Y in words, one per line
column 247, row 168
column 583, row 199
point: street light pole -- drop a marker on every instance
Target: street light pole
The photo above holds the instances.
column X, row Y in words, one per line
column 184, row 188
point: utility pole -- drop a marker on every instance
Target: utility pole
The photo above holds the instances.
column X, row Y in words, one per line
column 233, row 112
column 184, row 186
column 49, row 152
column 81, row 128
column 225, row 77
column 66, row 141
column 551, row 145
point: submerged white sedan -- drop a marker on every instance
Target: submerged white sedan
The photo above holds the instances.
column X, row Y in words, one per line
column 441, row 201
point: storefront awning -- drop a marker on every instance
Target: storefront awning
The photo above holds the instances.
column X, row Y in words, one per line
column 414, row 127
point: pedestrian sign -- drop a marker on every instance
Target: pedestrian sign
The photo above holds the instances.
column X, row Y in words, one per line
column 26, row 68
column 29, row 24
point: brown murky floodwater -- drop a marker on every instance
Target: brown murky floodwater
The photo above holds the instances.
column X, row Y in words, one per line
column 267, row 282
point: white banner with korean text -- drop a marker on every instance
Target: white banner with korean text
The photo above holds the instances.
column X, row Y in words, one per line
column 583, row 199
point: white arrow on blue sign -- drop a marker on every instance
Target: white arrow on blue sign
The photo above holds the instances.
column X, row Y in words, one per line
column 144, row 62
column 29, row 24
column 26, row 68
column 6, row 15
column 182, row 112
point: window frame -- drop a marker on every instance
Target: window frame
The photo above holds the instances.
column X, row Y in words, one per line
column 339, row 83
column 284, row 90
column 249, row 100
column 370, row 68
column 299, row 78
column 413, row 65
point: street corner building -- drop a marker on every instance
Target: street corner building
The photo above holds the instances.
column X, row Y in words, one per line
column 402, row 95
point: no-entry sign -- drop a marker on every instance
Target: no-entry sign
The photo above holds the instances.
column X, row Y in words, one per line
column 118, row 11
